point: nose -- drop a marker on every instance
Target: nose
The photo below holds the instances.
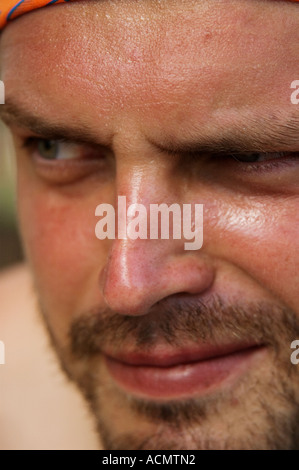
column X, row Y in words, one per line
column 141, row 272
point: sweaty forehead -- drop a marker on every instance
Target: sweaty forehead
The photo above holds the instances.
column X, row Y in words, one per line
column 11, row 9
column 210, row 55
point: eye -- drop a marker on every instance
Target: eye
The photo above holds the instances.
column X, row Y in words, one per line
column 56, row 150
column 48, row 149
column 257, row 157
column 62, row 162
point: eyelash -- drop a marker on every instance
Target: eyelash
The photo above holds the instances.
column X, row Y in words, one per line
column 32, row 142
column 287, row 159
column 79, row 152
column 88, row 162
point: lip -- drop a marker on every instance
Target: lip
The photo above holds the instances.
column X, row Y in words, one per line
column 168, row 375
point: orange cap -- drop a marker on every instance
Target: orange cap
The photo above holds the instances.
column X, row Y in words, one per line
column 11, row 9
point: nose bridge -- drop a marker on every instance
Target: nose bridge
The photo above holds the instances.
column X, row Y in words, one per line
column 133, row 264
column 141, row 171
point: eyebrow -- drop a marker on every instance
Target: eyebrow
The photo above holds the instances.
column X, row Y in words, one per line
column 272, row 133
column 13, row 114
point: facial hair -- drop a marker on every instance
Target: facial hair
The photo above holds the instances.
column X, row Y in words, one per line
column 260, row 413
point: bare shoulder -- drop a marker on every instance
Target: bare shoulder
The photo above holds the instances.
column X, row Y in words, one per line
column 16, row 294
column 39, row 408
column 14, row 280
column 19, row 272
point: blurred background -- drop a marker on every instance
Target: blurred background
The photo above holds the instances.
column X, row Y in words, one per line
column 10, row 247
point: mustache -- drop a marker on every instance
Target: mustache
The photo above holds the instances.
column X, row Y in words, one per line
column 178, row 322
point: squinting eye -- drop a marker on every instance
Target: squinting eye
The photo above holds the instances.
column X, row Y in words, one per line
column 257, row 157
column 64, row 162
column 55, row 150
column 48, row 149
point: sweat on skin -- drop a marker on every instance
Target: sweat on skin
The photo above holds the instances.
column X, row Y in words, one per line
column 155, row 90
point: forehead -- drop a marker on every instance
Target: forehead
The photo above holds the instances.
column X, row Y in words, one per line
column 159, row 59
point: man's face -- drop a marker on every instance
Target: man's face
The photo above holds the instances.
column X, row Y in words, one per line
column 165, row 102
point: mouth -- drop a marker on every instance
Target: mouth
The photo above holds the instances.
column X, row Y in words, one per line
column 168, row 375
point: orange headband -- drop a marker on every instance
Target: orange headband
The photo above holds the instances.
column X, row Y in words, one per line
column 11, row 9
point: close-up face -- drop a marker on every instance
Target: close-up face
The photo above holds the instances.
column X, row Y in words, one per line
column 176, row 102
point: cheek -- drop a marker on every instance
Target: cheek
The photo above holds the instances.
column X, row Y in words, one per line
column 61, row 246
column 262, row 239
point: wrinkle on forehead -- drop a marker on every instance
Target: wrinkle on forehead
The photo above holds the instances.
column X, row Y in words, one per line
column 181, row 54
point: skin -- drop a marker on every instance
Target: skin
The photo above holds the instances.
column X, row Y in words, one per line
column 39, row 408
column 139, row 77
